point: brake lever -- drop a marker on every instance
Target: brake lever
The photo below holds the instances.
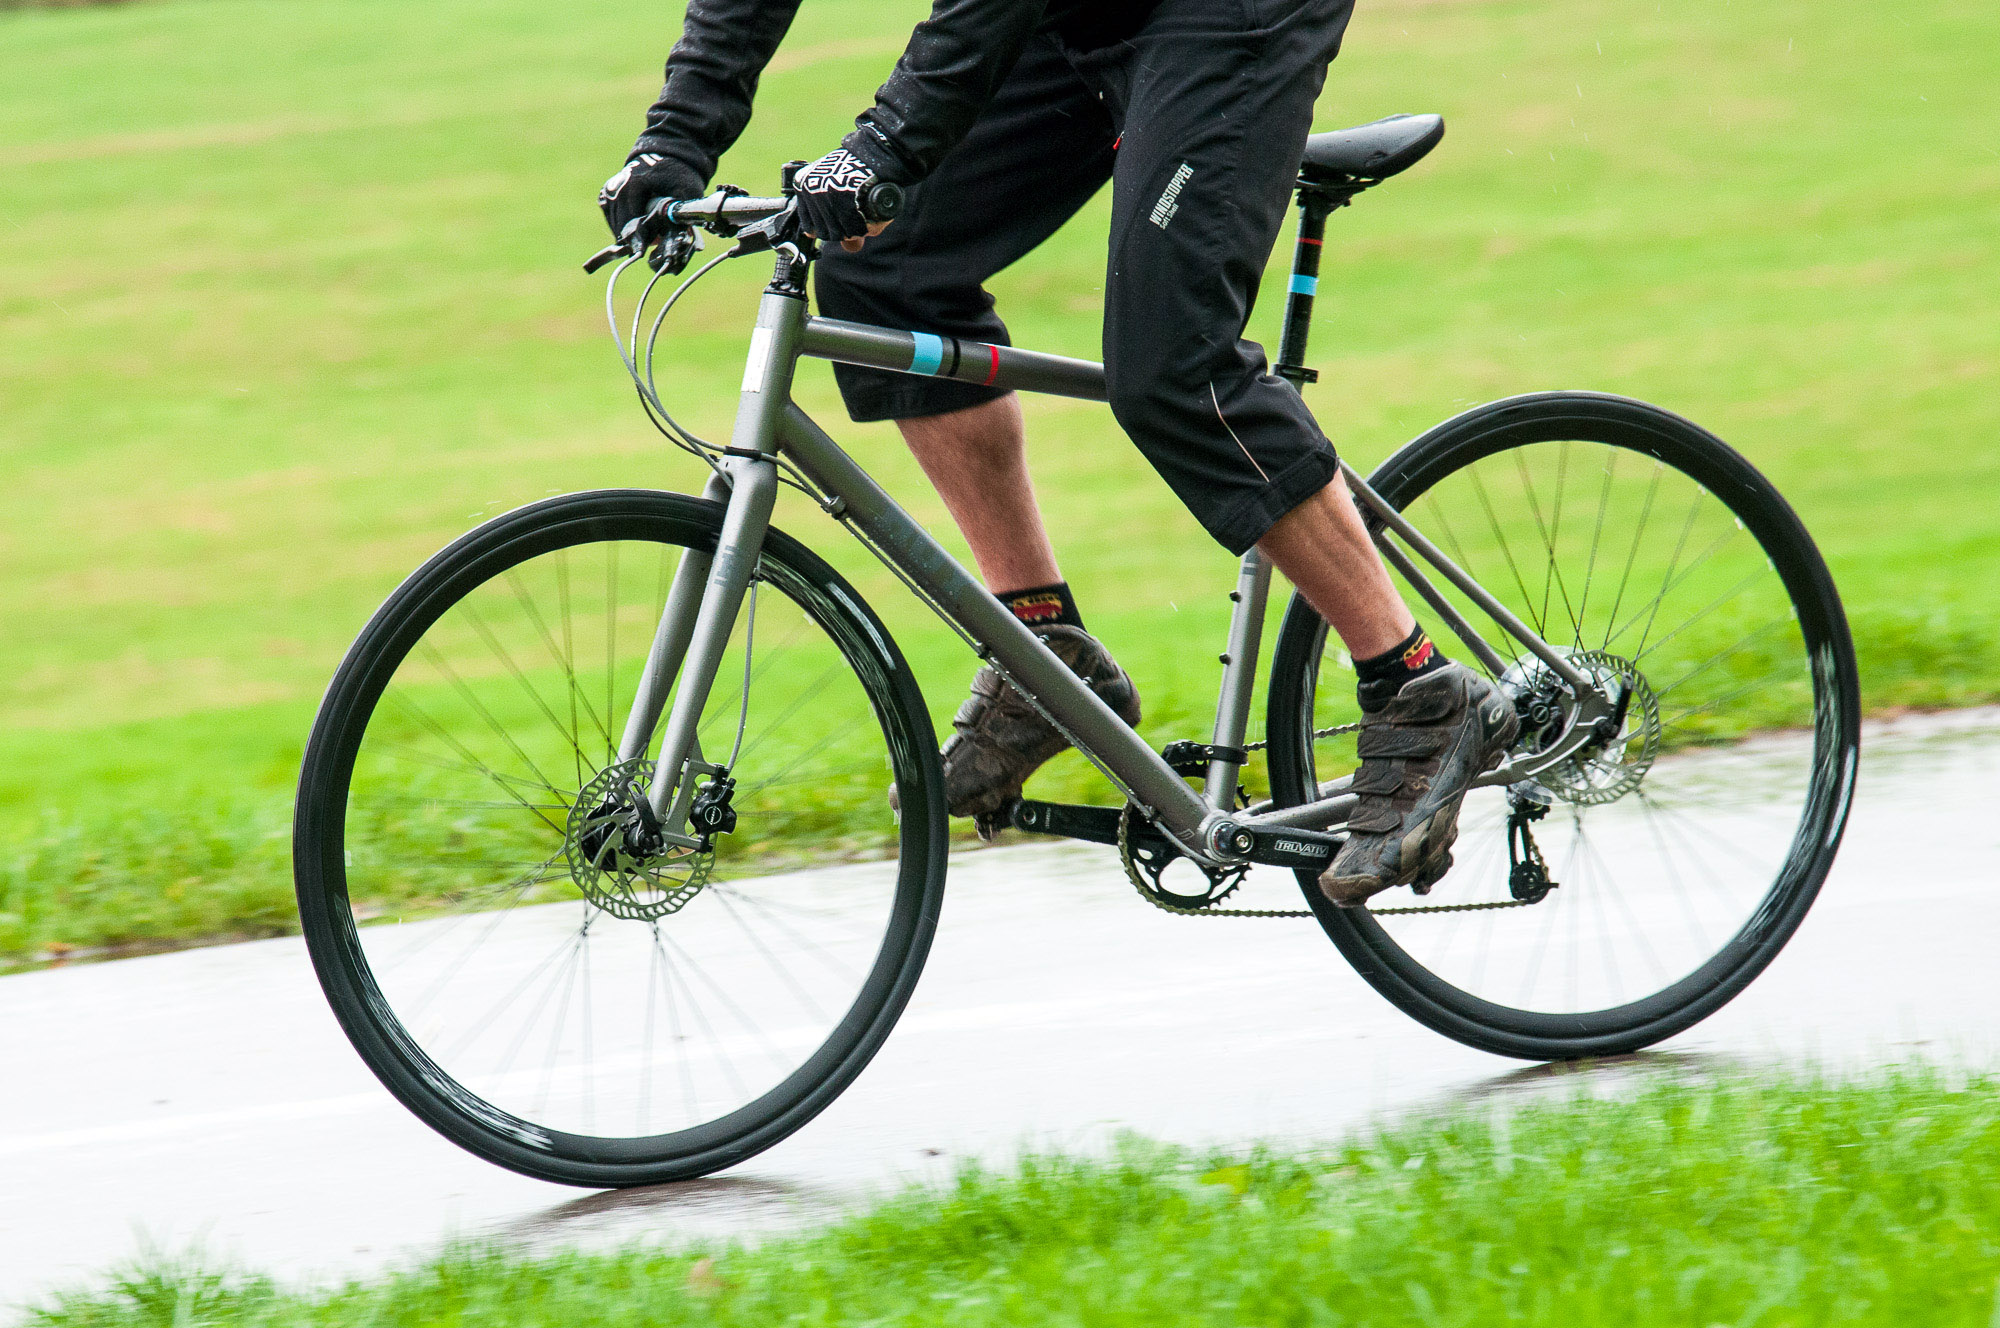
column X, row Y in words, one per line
column 654, row 230
column 610, row 253
column 778, row 232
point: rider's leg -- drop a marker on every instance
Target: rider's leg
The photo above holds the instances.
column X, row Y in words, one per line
column 976, row 457
column 1040, row 150
column 1323, row 549
column 1216, row 124
column 977, row 460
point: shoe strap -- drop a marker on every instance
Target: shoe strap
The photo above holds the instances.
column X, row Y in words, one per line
column 1392, row 740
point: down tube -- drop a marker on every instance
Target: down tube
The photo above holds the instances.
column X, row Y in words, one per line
column 1158, row 789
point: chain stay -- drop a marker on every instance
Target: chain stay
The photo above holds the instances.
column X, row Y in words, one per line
column 1151, row 896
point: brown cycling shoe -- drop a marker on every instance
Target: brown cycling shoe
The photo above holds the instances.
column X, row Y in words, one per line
column 1001, row 739
column 1419, row 754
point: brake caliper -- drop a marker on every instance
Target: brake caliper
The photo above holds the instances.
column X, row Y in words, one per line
column 710, row 813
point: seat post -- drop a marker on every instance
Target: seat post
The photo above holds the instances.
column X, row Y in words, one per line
column 1315, row 205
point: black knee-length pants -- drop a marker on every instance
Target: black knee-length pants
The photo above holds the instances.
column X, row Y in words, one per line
column 1198, row 122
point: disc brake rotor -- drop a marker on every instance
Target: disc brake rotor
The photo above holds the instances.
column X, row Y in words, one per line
column 1601, row 772
column 607, row 852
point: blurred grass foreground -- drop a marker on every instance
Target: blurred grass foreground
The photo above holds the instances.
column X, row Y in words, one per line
column 1736, row 1203
column 289, row 298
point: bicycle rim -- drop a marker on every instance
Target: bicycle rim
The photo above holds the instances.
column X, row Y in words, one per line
column 500, row 973
column 1686, row 852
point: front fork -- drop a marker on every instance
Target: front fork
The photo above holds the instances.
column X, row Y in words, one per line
column 708, row 587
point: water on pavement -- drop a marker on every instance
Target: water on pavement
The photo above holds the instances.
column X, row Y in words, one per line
column 208, row 1099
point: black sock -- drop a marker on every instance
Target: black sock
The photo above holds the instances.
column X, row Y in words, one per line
column 1044, row 606
column 1382, row 676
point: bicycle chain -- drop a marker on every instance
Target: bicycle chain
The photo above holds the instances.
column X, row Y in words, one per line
column 1132, row 872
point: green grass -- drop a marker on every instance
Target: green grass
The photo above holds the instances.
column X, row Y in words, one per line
column 1736, row 1203
column 288, row 298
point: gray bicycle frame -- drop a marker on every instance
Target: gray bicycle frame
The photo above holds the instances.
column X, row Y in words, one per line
column 708, row 589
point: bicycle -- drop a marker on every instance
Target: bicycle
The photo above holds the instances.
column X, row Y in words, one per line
column 563, row 769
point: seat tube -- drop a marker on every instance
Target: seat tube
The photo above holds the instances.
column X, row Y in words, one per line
column 753, row 483
column 1239, row 676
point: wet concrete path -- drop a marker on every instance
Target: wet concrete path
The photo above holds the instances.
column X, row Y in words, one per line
column 207, row 1098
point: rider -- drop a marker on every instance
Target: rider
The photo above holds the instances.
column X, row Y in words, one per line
column 1001, row 119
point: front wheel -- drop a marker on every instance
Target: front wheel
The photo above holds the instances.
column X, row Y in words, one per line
column 508, row 966
column 1684, row 851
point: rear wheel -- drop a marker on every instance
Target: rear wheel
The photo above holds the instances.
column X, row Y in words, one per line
column 538, row 994
column 1685, row 851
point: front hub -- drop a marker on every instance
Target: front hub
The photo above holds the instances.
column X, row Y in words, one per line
column 615, row 853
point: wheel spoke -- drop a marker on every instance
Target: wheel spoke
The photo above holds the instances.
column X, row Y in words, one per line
column 579, row 705
column 1632, row 554
column 527, row 951
column 1493, row 523
column 1657, row 844
column 1596, row 535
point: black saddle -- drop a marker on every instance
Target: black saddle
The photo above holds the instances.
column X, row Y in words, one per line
column 1368, row 154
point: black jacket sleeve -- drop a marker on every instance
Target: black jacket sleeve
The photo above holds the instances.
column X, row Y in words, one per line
column 712, row 77
column 955, row 59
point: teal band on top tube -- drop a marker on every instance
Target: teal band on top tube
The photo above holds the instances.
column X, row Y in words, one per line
column 1304, row 285
column 926, row 353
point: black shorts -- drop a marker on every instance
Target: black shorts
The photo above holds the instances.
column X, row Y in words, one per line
column 1198, row 122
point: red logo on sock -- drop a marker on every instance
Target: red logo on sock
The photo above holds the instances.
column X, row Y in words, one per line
column 1036, row 608
column 1418, row 655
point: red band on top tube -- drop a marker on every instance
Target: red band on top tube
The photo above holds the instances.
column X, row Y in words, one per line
column 994, row 351
column 1308, row 240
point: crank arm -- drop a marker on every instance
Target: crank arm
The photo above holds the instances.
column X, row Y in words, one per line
column 1285, row 846
column 1094, row 825
column 1278, row 847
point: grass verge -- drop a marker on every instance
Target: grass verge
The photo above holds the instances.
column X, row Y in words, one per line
column 231, row 427
column 1796, row 1202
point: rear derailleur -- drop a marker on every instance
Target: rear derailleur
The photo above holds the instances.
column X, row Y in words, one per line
column 1527, row 872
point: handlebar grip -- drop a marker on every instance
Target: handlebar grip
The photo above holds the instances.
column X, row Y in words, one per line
column 882, row 201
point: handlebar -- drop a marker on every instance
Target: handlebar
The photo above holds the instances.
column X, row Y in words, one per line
column 720, row 211
column 725, row 212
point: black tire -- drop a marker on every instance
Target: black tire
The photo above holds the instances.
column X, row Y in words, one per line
column 420, row 846
column 1787, row 667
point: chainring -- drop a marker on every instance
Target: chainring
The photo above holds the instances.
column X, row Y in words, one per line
column 1146, row 865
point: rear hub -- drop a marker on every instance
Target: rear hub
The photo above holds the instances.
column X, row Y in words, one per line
column 1615, row 761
